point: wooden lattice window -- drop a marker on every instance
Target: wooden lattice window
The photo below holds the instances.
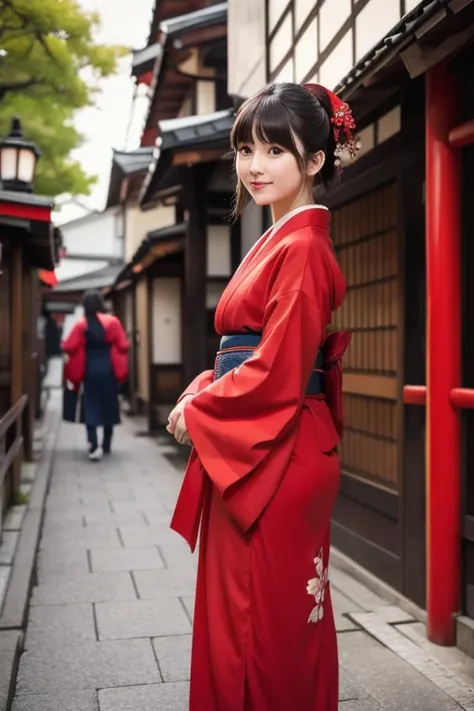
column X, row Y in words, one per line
column 365, row 236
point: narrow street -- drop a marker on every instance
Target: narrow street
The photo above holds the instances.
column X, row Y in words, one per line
column 110, row 618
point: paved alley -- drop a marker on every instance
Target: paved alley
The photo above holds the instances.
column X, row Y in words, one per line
column 110, row 618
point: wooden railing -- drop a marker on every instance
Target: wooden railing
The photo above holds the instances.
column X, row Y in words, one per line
column 11, row 447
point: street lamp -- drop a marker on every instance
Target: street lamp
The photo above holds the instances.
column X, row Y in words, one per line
column 17, row 160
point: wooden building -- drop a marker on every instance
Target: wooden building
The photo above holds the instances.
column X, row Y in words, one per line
column 405, row 67
column 29, row 250
column 179, row 266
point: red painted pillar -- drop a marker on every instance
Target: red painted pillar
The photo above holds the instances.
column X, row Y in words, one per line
column 443, row 471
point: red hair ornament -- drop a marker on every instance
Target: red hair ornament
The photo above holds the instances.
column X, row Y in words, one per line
column 342, row 120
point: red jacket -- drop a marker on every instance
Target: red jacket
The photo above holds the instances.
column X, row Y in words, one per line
column 75, row 348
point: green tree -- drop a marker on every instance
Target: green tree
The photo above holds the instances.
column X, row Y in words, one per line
column 50, row 65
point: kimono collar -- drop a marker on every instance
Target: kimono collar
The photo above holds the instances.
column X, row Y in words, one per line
column 317, row 215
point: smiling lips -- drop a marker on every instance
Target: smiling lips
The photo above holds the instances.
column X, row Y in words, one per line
column 258, row 186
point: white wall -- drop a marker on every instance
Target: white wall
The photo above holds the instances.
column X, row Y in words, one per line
column 246, row 46
column 166, row 312
column 139, row 222
column 218, row 251
column 251, row 226
column 302, row 51
column 96, row 234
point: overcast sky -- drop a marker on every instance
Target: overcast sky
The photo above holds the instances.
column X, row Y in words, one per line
column 105, row 126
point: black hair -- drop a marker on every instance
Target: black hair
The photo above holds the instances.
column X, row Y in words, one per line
column 281, row 113
column 93, row 303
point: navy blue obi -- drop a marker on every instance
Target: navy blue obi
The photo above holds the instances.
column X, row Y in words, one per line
column 235, row 350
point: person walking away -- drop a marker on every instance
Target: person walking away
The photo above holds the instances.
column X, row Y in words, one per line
column 97, row 350
column 265, row 424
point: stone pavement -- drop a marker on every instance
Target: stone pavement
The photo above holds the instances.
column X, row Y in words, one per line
column 110, row 618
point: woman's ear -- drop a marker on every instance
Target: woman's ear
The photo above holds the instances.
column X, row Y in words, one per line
column 315, row 163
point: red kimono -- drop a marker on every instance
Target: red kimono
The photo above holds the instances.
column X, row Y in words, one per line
column 74, row 346
column 261, row 482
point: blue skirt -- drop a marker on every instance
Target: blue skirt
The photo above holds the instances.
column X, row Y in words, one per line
column 100, row 401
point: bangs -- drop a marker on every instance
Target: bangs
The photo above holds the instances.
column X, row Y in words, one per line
column 268, row 119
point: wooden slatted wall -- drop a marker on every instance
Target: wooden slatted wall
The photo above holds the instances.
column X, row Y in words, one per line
column 365, row 237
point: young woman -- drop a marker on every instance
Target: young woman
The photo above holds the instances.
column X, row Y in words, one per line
column 97, row 350
column 264, row 425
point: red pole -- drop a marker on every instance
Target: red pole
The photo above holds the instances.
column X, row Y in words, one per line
column 443, row 470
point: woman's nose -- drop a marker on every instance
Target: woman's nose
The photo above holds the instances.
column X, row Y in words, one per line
column 255, row 168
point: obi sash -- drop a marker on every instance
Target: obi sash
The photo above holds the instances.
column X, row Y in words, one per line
column 235, row 350
column 197, row 487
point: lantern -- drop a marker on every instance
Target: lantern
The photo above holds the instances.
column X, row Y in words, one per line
column 17, row 160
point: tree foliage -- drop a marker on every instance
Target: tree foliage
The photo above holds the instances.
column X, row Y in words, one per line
column 50, row 65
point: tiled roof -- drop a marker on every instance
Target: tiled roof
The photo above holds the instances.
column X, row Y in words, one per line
column 401, row 35
column 21, row 198
column 181, row 133
column 208, row 16
column 161, row 234
column 93, row 280
column 133, row 161
column 144, row 59
column 126, row 163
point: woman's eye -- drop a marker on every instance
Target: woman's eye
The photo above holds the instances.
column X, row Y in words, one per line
column 245, row 150
column 275, row 151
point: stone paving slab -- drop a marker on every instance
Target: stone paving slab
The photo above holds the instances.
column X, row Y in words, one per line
column 91, row 537
column 14, row 518
column 69, row 562
column 349, row 690
column 367, row 704
column 188, row 604
column 153, row 584
column 70, row 701
column 89, row 587
column 55, row 624
column 157, row 518
column 427, row 665
column 145, row 505
column 393, row 683
column 450, row 657
column 354, row 590
column 164, row 697
column 8, row 546
column 146, row 535
column 103, row 561
column 143, row 618
column 87, row 665
column 9, row 649
column 174, row 657
column 123, row 518
column 177, row 554
column 342, row 605
column 5, row 571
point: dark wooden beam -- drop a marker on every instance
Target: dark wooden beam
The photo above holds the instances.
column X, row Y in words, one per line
column 412, row 347
column 235, row 245
column 204, row 35
column 16, row 348
column 195, row 266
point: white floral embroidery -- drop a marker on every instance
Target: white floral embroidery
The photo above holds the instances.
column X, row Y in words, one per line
column 316, row 587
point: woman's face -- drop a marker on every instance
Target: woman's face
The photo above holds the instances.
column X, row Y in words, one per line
column 272, row 176
column 269, row 172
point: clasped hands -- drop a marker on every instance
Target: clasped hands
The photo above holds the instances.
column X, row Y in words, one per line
column 177, row 424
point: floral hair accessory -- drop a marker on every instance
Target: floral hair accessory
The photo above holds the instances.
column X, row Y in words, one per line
column 342, row 120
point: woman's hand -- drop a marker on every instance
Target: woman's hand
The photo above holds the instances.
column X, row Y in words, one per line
column 180, row 431
column 176, row 422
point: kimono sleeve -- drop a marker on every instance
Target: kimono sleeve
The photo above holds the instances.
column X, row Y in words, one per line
column 237, row 420
column 201, row 381
column 121, row 340
column 75, row 339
